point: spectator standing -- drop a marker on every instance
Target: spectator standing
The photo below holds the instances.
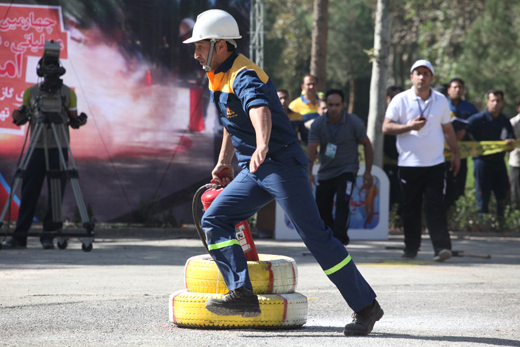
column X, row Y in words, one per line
column 295, row 118
column 307, row 103
column 338, row 134
column 514, row 161
column 390, row 154
column 456, row 185
column 420, row 117
column 490, row 170
column 322, row 108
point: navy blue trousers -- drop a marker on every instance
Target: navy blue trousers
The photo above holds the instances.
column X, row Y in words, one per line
column 283, row 177
column 31, row 189
column 491, row 176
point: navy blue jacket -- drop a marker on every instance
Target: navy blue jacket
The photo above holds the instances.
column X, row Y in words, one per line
column 237, row 85
column 483, row 127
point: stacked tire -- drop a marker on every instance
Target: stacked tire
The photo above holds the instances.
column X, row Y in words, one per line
column 274, row 279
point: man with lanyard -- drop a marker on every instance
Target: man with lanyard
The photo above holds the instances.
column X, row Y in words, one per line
column 456, row 185
column 274, row 166
column 307, row 104
column 420, row 117
column 490, row 170
column 338, row 134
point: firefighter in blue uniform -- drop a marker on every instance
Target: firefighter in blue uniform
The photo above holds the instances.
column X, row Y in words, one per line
column 274, row 166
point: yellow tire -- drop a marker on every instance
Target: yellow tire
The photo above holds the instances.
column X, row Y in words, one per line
column 279, row 311
column 273, row 274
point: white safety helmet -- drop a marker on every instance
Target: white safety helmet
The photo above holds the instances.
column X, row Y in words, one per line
column 214, row 25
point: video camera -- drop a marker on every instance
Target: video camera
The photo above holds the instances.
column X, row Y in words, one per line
column 49, row 68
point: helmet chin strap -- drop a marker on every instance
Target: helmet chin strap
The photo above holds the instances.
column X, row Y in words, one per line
column 210, row 56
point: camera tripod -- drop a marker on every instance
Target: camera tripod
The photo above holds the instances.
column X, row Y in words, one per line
column 53, row 120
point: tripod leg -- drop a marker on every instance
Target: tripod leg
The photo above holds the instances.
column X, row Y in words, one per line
column 74, row 176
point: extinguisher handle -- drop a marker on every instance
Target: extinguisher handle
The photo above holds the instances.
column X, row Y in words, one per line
column 219, row 175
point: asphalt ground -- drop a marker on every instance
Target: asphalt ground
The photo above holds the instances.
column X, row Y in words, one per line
column 117, row 295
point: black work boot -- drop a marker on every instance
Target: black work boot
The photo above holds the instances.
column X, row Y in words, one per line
column 14, row 243
column 409, row 254
column 47, row 242
column 241, row 301
column 364, row 320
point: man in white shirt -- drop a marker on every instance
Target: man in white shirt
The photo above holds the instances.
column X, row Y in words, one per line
column 420, row 117
column 514, row 161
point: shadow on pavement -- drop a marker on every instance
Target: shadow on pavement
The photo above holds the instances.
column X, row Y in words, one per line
column 475, row 340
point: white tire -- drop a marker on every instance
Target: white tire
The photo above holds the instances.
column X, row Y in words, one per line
column 273, row 274
column 279, row 311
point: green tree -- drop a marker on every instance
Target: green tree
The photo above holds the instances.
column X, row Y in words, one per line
column 491, row 51
column 351, row 33
column 431, row 29
column 318, row 66
column 379, row 78
column 288, row 26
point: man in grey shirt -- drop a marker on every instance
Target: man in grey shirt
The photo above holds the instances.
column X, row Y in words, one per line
column 338, row 134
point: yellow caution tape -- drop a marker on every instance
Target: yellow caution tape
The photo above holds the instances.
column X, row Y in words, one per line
column 466, row 149
column 474, row 148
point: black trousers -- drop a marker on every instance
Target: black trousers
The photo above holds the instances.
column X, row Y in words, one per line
column 427, row 182
column 31, row 189
column 325, row 191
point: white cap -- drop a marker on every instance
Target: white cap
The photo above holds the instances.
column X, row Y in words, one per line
column 420, row 63
column 189, row 23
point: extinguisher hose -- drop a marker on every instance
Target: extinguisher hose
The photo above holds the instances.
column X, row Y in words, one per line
column 196, row 219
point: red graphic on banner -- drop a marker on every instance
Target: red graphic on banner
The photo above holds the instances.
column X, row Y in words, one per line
column 23, row 32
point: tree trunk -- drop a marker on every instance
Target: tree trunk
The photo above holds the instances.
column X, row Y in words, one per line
column 378, row 81
column 320, row 25
column 352, row 94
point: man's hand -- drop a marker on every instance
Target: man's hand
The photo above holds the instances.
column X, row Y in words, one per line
column 222, row 176
column 417, row 123
column 82, row 119
column 257, row 158
column 509, row 141
column 16, row 116
column 368, row 179
column 455, row 164
column 312, row 180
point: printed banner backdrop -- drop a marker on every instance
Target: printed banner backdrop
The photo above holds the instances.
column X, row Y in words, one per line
column 152, row 133
column 369, row 210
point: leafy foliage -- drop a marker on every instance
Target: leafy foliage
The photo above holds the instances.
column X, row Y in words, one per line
column 288, row 27
column 351, row 33
column 491, row 51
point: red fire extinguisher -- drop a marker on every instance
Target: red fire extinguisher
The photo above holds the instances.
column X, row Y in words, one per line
column 242, row 231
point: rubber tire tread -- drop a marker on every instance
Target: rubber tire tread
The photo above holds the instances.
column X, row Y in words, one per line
column 273, row 274
column 279, row 311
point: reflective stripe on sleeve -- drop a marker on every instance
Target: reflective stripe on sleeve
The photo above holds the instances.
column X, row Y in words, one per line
column 339, row 266
column 223, row 244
